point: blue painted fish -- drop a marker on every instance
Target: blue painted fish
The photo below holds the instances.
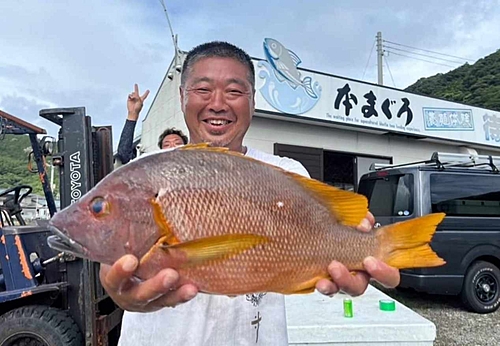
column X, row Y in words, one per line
column 284, row 63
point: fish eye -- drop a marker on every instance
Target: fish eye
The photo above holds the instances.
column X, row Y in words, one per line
column 99, row 206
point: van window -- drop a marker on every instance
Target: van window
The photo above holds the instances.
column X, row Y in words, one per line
column 389, row 196
column 465, row 195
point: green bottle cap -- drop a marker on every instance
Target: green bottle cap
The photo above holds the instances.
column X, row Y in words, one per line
column 387, row 305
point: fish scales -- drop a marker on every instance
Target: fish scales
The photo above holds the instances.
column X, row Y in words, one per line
column 231, row 224
column 221, row 200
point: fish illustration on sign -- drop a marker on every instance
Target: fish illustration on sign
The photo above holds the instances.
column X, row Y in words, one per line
column 284, row 63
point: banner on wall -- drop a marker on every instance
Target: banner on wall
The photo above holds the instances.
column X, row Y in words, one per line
column 285, row 88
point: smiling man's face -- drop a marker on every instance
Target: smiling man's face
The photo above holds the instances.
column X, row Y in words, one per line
column 218, row 102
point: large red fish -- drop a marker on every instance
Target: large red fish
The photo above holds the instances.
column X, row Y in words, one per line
column 232, row 225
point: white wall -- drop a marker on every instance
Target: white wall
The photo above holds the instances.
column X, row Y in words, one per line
column 263, row 133
column 165, row 111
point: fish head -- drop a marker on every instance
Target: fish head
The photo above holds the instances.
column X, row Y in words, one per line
column 273, row 47
column 111, row 220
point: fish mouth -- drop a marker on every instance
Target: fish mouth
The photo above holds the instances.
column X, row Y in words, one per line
column 61, row 242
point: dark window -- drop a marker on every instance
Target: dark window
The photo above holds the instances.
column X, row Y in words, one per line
column 389, row 196
column 465, row 195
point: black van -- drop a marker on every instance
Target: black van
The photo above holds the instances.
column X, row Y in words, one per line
column 466, row 188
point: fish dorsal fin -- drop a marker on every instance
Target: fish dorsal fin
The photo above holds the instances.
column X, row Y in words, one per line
column 201, row 146
column 295, row 58
column 348, row 207
column 201, row 251
column 207, row 147
column 195, row 146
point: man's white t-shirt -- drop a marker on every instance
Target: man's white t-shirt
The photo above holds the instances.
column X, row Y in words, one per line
column 209, row 320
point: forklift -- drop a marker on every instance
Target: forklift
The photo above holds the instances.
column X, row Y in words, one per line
column 49, row 298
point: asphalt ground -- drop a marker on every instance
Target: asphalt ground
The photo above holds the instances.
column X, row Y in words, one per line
column 454, row 324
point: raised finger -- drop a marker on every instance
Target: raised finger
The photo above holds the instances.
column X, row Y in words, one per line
column 136, row 89
column 143, row 97
column 352, row 284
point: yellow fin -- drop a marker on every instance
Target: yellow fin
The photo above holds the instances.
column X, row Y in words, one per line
column 216, row 248
column 305, row 287
column 406, row 244
column 348, row 207
column 204, row 147
column 195, row 146
column 168, row 236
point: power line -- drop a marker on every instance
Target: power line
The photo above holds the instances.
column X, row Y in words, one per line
column 428, row 51
column 411, row 57
column 387, row 63
column 368, row 61
column 428, row 56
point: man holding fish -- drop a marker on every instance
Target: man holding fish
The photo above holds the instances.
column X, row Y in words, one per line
column 217, row 98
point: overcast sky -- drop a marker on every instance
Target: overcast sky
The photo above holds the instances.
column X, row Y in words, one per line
column 67, row 53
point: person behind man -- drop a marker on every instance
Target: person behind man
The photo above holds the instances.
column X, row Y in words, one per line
column 217, row 98
column 170, row 138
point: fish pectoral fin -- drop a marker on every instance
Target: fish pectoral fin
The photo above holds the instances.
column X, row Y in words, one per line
column 305, row 287
column 349, row 208
column 162, row 223
column 222, row 247
column 295, row 58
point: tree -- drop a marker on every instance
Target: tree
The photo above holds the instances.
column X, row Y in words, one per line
column 14, row 159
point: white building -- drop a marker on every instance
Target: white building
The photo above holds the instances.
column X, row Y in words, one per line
column 328, row 123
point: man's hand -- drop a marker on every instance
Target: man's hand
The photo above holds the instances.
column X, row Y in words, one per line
column 150, row 295
column 135, row 103
column 356, row 285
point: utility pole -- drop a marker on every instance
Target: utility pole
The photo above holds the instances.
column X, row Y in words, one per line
column 380, row 54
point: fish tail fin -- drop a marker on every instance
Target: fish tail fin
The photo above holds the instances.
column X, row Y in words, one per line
column 308, row 87
column 406, row 244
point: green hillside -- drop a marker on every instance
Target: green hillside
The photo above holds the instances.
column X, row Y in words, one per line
column 475, row 85
column 14, row 164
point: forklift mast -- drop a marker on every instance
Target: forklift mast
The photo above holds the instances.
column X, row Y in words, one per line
column 84, row 157
column 12, row 125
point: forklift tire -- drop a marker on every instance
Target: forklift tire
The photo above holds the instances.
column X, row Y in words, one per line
column 37, row 325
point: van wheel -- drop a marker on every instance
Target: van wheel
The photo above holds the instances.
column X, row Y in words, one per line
column 481, row 290
column 37, row 325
